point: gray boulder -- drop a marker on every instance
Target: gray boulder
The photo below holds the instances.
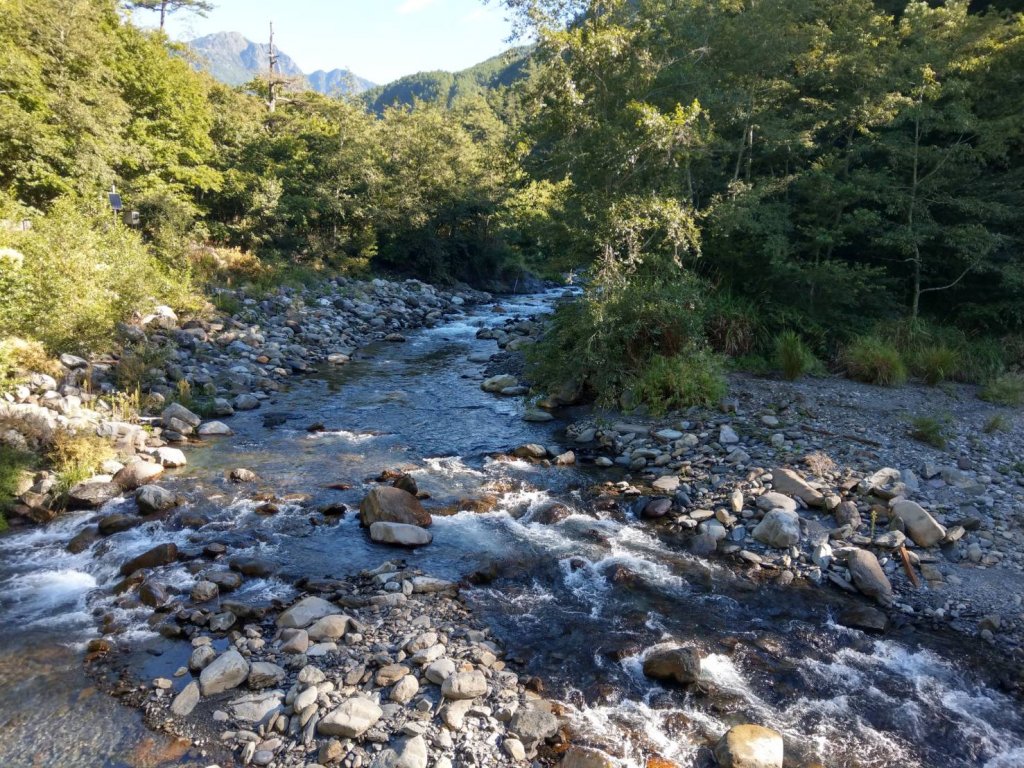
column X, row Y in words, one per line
column 227, row 671
column 780, row 528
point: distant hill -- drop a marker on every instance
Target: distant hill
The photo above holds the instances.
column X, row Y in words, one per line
column 499, row 71
column 235, row 60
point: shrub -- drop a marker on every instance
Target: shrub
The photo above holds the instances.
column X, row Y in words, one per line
column 930, row 430
column 1007, row 389
column 19, row 357
column 875, row 361
column 608, row 339
column 13, row 465
column 79, row 275
column 733, row 326
column 997, row 422
column 75, row 456
column 936, row 363
column 792, row 356
column 132, row 371
column 694, row 377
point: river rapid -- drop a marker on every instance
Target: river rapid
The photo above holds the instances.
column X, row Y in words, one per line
column 576, row 603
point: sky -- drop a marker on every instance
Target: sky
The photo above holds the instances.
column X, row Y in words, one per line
column 380, row 40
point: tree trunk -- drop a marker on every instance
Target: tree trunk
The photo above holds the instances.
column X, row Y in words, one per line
column 163, row 14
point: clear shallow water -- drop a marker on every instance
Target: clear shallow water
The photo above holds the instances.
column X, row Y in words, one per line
column 578, row 602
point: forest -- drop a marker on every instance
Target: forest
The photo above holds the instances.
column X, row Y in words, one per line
column 794, row 185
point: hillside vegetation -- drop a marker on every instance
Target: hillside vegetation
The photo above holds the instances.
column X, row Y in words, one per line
column 794, row 185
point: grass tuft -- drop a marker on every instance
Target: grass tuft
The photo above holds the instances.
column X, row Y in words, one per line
column 1006, row 389
column 793, row 357
column 931, row 430
column 875, row 361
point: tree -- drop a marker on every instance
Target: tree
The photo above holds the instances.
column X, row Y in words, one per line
column 165, row 7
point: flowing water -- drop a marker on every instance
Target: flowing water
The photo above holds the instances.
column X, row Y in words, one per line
column 577, row 602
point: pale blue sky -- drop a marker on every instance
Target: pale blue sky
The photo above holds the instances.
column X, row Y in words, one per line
column 377, row 39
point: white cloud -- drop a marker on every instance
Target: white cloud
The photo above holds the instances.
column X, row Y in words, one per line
column 412, row 6
column 479, row 14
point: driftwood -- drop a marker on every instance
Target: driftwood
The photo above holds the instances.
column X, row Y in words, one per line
column 854, row 438
column 905, row 556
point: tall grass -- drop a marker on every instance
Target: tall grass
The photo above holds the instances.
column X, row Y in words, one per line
column 875, row 361
column 792, row 356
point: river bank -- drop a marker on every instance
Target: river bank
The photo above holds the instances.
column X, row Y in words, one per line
column 570, row 589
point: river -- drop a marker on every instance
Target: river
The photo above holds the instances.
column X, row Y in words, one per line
column 575, row 602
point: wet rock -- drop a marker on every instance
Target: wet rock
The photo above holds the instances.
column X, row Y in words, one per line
column 537, row 415
column 204, row 591
column 864, row 617
column 225, row 581
column 111, row 524
column 91, row 495
column 162, row 554
column 750, row 746
column 86, row 538
column 242, row 475
column 229, row 670
column 392, row 505
column 533, row 724
column 154, row 594
column 137, row 474
column 780, row 528
column 921, row 526
column 246, row 402
column 252, row 566
column 180, row 419
column 530, row 451
column 497, row 383
column 152, row 499
column 214, row 429
column 657, row 508
column 666, row 484
column 868, row 576
column 400, row 534
column 170, row 457
column 351, row 719
column 681, row 665
column 305, row 612
column 407, row 483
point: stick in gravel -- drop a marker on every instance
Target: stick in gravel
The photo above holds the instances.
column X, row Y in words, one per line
column 905, row 556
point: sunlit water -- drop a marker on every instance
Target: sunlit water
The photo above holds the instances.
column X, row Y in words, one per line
column 578, row 603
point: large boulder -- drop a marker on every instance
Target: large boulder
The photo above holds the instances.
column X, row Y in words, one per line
column 305, row 612
column 162, row 554
column 400, row 534
column 790, row 483
column 584, row 757
column 498, row 383
column 91, row 495
column 352, row 718
column 387, row 504
column 533, row 724
column 921, row 526
column 229, row 670
column 153, row 498
column 138, row 474
column 180, row 419
column 681, row 665
column 780, row 528
column 464, row 685
column 868, row 576
column 750, row 746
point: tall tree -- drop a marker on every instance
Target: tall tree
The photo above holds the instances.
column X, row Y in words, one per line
column 166, row 7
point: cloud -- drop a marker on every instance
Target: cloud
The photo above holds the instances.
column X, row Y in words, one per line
column 479, row 14
column 412, row 6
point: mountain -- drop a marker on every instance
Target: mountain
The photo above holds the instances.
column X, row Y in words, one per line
column 497, row 72
column 338, row 81
column 235, row 60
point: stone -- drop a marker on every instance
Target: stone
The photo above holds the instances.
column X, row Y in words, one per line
column 788, row 482
column 162, row 554
column 201, row 658
column 171, row 457
column 92, row 495
column 454, row 713
column 680, row 665
column 152, row 499
column 204, row 591
column 305, row 612
column 667, row 484
column 352, row 718
column 400, row 534
column 328, row 628
column 750, row 746
column 584, row 757
column 392, row 505
column 154, row 594
column 775, row 500
column 264, row 674
column 214, row 429
column 847, row 514
column 868, row 576
column 727, row 435
column 246, row 402
column 229, row 670
column 390, row 674
column 864, row 617
column 111, row 524
column 256, row 707
column 439, row 671
column 530, row 451
column 464, row 685
column 533, row 724
column 405, row 689
column 186, row 700
column 656, row 508
column 537, row 415
column 179, row 418
column 295, row 641
column 514, row 749
column 780, row 528
column 497, row 383
column 921, row 526
column 137, row 473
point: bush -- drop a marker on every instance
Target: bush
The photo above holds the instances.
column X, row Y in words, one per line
column 1007, row 389
column 875, row 361
column 694, row 377
column 608, row 339
column 13, row 464
column 936, row 364
column 19, row 357
column 931, row 430
column 75, row 456
column 78, row 275
column 733, row 326
column 132, row 371
column 792, row 356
